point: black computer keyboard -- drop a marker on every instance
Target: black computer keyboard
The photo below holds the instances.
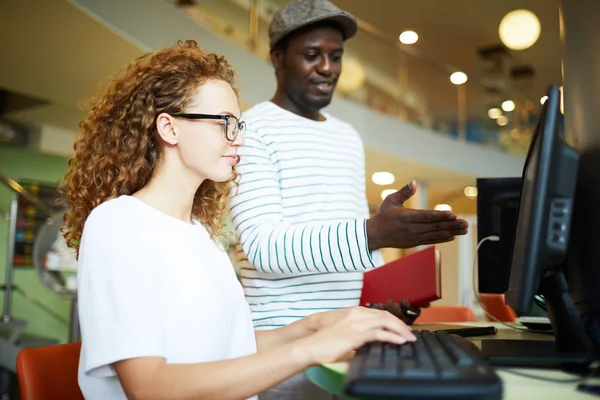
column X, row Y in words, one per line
column 436, row 366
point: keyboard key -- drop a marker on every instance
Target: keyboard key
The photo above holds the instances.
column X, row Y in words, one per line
column 460, row 356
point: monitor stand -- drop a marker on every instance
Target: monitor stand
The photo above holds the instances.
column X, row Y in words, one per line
column 572, row 346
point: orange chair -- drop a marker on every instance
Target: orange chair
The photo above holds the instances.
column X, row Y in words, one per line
column 494, row 304
column 445, row 314
column 49, row 372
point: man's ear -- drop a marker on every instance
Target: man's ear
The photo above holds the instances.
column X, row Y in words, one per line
column 277, row 58
column 165, row 127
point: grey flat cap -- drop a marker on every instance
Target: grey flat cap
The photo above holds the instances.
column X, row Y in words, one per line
column 299, row 13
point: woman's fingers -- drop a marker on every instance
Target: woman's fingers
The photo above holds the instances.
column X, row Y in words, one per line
column 371, row 319
column 393, row 324
column 380, row 335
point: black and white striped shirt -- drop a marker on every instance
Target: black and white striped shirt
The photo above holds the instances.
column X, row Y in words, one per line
column 300, row 212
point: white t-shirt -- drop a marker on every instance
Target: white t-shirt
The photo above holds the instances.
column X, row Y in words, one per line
column 152, row 285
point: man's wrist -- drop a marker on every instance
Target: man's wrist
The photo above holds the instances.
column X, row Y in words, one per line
column 372, row 236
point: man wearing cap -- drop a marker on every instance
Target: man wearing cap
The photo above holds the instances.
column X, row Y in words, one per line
column 300, row 210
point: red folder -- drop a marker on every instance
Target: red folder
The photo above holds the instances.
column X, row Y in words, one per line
column 416, row 278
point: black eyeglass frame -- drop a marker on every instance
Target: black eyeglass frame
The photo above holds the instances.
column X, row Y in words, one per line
column 239, row 125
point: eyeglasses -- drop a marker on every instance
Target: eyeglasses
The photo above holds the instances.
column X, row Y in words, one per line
column 233, row 126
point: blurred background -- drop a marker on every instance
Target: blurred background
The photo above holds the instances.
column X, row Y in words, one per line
column 441, row 91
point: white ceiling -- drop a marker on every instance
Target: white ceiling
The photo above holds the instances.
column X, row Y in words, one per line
column 58, row 54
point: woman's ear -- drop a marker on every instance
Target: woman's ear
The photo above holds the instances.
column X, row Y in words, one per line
column 165, row 126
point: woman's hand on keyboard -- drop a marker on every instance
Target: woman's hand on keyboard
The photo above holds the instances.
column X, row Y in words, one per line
column 341, row 331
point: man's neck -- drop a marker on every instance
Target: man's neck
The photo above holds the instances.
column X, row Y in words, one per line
column 288, row 104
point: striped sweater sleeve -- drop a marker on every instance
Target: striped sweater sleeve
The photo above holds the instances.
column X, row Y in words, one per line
column 273, row 245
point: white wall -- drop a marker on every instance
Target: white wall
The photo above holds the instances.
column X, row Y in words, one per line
column 457, row 268
column 153, row 24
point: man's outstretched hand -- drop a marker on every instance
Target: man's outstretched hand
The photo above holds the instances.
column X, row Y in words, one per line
column 397, row 226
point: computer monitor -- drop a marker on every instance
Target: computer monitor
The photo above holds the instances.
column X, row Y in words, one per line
column 547, row 195
column 497, row 210
column 539, row 258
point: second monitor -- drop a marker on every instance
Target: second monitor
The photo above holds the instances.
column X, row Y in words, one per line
column 497, row 212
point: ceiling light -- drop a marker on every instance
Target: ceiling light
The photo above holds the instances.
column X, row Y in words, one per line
column 442, row 207
column 458, row 78
column 543, row 99
column 494, row 113
column 408, row 37
column 383, row 178
column 385, row 193
column 502, row 121
column 519, row 29
column 508, row 105
column 470, row 191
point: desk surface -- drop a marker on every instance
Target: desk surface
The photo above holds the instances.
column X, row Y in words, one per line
column 331, row 376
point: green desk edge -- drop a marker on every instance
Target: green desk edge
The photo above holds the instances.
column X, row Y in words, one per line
column 331, row 379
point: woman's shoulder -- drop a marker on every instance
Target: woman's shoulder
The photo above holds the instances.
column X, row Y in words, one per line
column 119, row 211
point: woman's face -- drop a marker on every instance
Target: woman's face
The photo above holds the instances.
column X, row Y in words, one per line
column 202, row 143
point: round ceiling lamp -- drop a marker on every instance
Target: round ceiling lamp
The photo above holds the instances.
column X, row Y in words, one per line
column 458, row 78
column 502, row 121
column 494, row 113
column 519, row 29
column 408, row 37
column 470, row 191
column 508, row 105
column 353, row 75
column 383, row 178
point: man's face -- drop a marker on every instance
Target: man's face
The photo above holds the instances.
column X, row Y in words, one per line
column 310, row 66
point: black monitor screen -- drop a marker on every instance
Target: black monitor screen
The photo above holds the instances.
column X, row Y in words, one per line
column 497, row 212
column 546, row 201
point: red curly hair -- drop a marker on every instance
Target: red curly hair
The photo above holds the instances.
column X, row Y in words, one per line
column 119, row 148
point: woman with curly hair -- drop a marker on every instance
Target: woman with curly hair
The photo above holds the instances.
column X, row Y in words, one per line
column 162, row 313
